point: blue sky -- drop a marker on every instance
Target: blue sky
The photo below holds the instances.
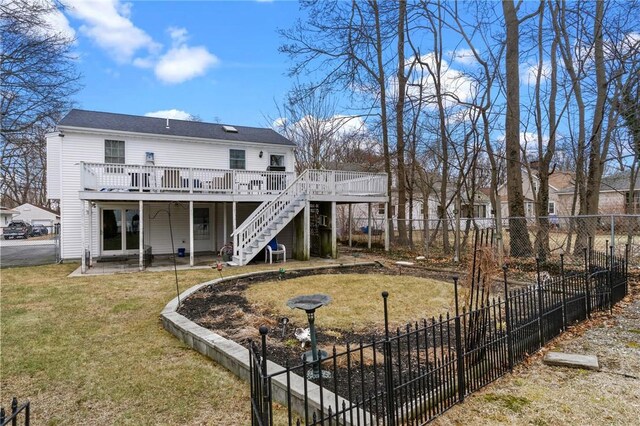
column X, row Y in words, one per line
column 213, row 59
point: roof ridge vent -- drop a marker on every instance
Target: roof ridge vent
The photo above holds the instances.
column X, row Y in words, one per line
column 229, row 129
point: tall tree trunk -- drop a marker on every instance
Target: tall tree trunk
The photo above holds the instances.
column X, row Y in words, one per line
column 545, row 155
column 383, row 106
column 400, row 143
column 520, row 243
column 596, row 164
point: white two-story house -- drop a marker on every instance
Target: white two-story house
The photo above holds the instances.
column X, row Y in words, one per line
column 132, row 185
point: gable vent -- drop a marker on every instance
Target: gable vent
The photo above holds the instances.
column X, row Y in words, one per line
column 229, row 129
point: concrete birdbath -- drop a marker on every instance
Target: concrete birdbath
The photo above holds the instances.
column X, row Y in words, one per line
column 309, row 303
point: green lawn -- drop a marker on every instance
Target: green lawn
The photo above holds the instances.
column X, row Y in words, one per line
column 92, row 350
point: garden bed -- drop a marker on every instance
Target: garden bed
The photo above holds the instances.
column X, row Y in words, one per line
column 236, row 308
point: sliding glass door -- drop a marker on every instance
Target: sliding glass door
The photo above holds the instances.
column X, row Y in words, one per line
column 120, row 230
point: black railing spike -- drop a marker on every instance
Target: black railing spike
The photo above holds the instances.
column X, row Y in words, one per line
column 385, row 296
column 455, row 292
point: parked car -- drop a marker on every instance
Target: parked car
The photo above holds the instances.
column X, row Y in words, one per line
column 17, row 229
column 39, row 230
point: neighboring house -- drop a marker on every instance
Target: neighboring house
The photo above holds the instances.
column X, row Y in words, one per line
column 126, row 183
column 6, row 216
column 416, row 214
column 560, row 194
column 37, row 215
column 615, row 196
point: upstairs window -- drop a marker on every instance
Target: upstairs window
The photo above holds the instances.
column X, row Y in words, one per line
column 381, row 208
column 113, row 152
column 276, row 160
column 237, row 159
column 552, row 208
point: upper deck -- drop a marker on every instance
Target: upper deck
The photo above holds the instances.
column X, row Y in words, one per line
column 100, row 181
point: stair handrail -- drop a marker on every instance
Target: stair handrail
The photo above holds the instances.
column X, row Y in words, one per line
column 267, row 214
column 263, row 205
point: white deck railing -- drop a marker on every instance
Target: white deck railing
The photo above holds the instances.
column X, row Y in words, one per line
column 136, row 178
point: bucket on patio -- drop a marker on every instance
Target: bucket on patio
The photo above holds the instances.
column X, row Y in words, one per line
column 181, row 252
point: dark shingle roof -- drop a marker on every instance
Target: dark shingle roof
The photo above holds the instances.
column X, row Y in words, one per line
column 619, row 182
column 158, row 126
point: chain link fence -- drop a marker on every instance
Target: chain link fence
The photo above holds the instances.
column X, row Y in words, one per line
column 545, row 237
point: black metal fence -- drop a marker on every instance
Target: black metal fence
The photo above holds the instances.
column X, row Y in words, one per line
column 12, row 418
column 411, row 376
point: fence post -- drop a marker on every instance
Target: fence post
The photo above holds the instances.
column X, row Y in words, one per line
column 586, row 284
column 613, row 232
column 388, row 365
column 564, row 293
column 264, row 407
column 2, row 416
column 507, row 318
column 626, row 269
column 609, row 277
column 540, row 304
column 459, row 343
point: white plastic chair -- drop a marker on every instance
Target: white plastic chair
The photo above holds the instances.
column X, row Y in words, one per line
column 269, row 252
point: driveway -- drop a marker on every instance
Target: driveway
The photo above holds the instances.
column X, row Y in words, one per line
column 26, row 252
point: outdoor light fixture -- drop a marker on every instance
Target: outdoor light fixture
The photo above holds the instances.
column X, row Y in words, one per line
column 261, row 154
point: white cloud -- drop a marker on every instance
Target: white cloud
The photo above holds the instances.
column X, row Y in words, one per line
column 182, row 62
column 174, row 114
column 59, row 24
column 335, row 126
column 55, row 23
column 108, row 24
column 462, row 57
column 454, row 84
column 529, row 72
column 528, row 140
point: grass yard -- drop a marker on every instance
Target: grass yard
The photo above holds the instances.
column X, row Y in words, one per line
column 92, row 351
column 357, row 303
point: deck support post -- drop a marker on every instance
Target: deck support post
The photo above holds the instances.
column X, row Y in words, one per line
column 90, row 234
column 349, row 220
column 191, row 254
column 234, row 216
column 225, row 234
column 369, row 226
column 386, row 227
column 141, row 235
column 83, row 244
column 334, row 231
column 307, row 231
